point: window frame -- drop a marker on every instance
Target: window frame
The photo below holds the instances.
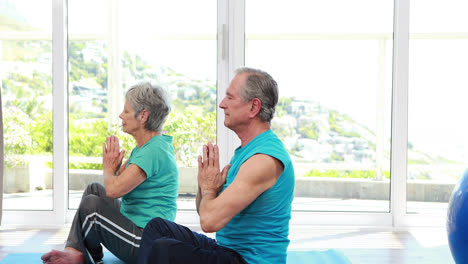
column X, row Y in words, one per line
column 230, row 55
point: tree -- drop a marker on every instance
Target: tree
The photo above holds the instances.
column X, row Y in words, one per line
column 190, row 129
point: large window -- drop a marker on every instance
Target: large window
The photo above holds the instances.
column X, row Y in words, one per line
column 121, row 43
column 371, row 135
column 333, row 69
column 26, row 86
column 438, row 88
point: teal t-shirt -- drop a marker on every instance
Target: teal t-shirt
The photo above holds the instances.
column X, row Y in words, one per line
column 157, row 195
column 260, row 231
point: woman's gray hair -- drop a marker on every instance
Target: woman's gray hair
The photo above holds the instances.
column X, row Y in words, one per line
column 261, row 85
column 153, row 98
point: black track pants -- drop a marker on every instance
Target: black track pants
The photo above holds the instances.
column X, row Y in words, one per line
column 98, row 221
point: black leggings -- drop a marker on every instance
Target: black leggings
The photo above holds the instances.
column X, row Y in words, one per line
column 167, row 242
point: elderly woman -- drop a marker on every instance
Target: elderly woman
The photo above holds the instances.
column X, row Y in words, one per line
column 147, row 184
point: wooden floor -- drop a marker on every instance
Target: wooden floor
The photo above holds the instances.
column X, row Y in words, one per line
column 377, row 246
column 414, row 246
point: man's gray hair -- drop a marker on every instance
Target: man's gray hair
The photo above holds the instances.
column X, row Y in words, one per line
column 153, row 98
column 261, row 85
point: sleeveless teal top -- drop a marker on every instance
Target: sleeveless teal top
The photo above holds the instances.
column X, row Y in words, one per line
column 157, row 195
column 260, row 232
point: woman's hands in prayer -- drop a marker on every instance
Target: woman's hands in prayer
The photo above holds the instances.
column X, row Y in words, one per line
column 112, row 156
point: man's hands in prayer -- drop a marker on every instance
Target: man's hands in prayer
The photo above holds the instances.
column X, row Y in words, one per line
column 210, row 179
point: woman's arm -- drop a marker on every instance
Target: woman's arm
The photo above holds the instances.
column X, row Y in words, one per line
column 127, row 177
column 122, row 168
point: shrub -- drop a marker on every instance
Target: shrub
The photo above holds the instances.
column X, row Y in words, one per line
column 17, row 139
column 361, row 174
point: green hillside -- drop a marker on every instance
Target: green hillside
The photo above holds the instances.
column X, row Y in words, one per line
column 8, row 24
column 27, row 50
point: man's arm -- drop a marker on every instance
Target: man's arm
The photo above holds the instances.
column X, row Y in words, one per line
column 255, row 176
column 198, row 200
column 199, row 192
column 128, row 178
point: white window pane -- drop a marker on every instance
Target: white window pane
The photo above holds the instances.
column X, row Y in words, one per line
column 333, row 67
column 437, row 142
column 26, row 86
column 134, row 40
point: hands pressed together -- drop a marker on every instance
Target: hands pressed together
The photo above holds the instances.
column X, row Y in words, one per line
column 210, row 179
column 112, row 156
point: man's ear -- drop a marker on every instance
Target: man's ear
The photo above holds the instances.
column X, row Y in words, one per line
column 255, row 107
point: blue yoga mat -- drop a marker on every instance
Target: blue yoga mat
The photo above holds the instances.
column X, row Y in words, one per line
column 17, row 258
column 330, row 256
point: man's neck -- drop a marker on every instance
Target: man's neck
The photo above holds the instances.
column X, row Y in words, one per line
column 251, row 131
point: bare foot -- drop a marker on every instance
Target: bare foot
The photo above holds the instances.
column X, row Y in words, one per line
column 68, row 256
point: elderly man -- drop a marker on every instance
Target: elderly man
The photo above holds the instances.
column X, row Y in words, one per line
column 248, row 203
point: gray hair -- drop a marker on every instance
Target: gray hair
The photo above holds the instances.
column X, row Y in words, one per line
column 261, row 85
column 153, row 98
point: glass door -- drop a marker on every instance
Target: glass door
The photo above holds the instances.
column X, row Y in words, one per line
column 26, row 86
column 173, row 44
column 437, row 141
column 333, row 64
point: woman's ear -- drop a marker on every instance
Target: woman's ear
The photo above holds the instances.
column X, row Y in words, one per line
column 144, row 114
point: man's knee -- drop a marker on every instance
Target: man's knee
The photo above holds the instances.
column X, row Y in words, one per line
column 162, row 244
column 155, row 222
column 153, row 228
column 154, row 251
column 160, row 250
